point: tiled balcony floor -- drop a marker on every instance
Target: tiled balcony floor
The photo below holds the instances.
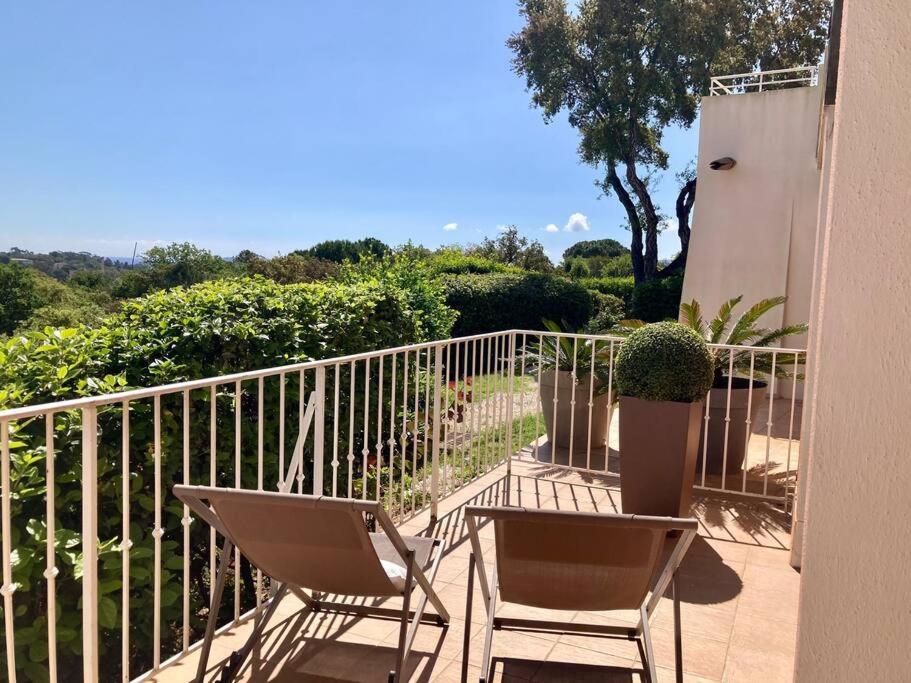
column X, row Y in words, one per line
column 739, row 606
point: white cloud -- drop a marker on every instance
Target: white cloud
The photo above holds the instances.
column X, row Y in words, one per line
column 578, row 222
column 449, row 227
column 552, row 228
column 502, row 228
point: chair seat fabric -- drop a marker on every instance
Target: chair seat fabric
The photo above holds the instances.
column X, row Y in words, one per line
column 392, row 561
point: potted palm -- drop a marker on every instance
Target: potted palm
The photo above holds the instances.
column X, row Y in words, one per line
column 554, row 356
column 663, row 372
column 745, row 373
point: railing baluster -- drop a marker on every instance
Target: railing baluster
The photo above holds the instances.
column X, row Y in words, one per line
column 727, row 423
column 488, row 381
column 553, row 446
column 379, row 429
column 365, row 451
column 157, row 533
column 213, row 461
column 7, row 589
column 610, row 405
column 458, row 468
column 335, row 420
column 475, row 406
column 301, row 406
column 705, row 435
column 591, row 405
column 351, row 403
column 281, row 427
column 50, row 572
column 414, row 449
column 319, row 431
column 435, row 438
column 403, row 456
column 426, row 428
column 89, row 543
column 391, row 440
column 125, row 543
column 444, row 388
column 511, row 382
column 260, row 426
column 749, row 422
column 539, row 413
column 572, row 400
column 237, row 481
column 185, row 521
column 768, row 440
column 787, row 473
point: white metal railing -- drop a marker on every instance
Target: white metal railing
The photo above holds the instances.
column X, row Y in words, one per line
column 758, row 81
column 406, row 426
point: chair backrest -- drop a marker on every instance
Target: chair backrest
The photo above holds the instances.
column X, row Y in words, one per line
column 311, row 542
column 576, row 560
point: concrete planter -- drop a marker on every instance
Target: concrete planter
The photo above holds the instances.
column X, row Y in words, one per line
column 737, row 430
column 659, row 441
column 565, row 392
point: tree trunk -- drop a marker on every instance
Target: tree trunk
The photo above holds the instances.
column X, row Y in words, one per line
column 650, row 260
column 684, row 208
column 635, row 224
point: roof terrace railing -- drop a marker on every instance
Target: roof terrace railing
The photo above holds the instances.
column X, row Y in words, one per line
column 759, row 81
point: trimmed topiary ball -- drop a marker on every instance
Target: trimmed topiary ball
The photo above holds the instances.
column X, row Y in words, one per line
column 664, row 362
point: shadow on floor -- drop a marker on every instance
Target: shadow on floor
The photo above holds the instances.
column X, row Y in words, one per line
column 507, row 669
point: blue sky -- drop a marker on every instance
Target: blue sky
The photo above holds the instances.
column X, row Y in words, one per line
column 272, row 126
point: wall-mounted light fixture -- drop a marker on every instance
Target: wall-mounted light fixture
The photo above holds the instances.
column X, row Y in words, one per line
column 723, row 164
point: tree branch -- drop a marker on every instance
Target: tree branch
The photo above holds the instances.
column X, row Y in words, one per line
column 635, row 225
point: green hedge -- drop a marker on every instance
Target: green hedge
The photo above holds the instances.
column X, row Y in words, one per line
column 620, row 287
column 489, row 303
column 657, row 300
column 211, row 328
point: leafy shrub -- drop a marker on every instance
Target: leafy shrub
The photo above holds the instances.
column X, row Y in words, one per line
column 208, row 329
column 620, row 287
column 611, row 266
column 664, row 362
column 657, row 300
column 578, row 269
column 454, row 262
column 18, row 297
column 340, row 251
column 489, row 303
column 292, row 268
column 589, row 248
column 608, row 312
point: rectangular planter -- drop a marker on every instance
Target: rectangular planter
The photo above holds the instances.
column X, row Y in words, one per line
column 659, row 442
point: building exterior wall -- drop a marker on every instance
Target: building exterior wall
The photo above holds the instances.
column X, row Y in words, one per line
column 754, row 226
column 855, row 596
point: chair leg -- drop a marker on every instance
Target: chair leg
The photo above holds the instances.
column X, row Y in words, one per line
column 466, row 638
column 647, row 644
column 404, row 641
column 238, row 657
column 678, row 634
column 488, row 634
column 212, row 622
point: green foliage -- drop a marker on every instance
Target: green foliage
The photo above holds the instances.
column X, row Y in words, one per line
column 744, row 332
column 340, row 251
column 620, row 287
column 61, row 265
column 292, row 268
column 209, row 329
column 657, row 300
column 184, row 264
column 513, row 249
column 611, row 266
column 609, row 311
column 578, row 269
column 18, row 297
column 488, row 303
column 554, row 352
column 589, row 248
column 453, row 261
column 664, row 362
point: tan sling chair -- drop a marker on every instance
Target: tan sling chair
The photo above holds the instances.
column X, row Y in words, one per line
column 579, row 561
column 322, row 545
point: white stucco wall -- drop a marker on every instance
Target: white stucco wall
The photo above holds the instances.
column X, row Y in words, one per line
column 754, row 226
column 855, row 599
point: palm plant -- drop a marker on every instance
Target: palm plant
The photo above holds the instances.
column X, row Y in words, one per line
column 743, row 332
column 558, row 352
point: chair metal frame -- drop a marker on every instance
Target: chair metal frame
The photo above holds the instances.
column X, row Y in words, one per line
column 195, row 498
column 641, row 633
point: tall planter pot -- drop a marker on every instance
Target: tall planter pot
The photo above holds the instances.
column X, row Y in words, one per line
column 560, row 385
column 737, row 429
column 659, row 441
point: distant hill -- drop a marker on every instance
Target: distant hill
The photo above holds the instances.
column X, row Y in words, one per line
column 61, row 264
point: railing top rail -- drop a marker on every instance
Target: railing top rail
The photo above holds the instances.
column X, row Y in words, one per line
column 25, row 412
column 769, row 72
